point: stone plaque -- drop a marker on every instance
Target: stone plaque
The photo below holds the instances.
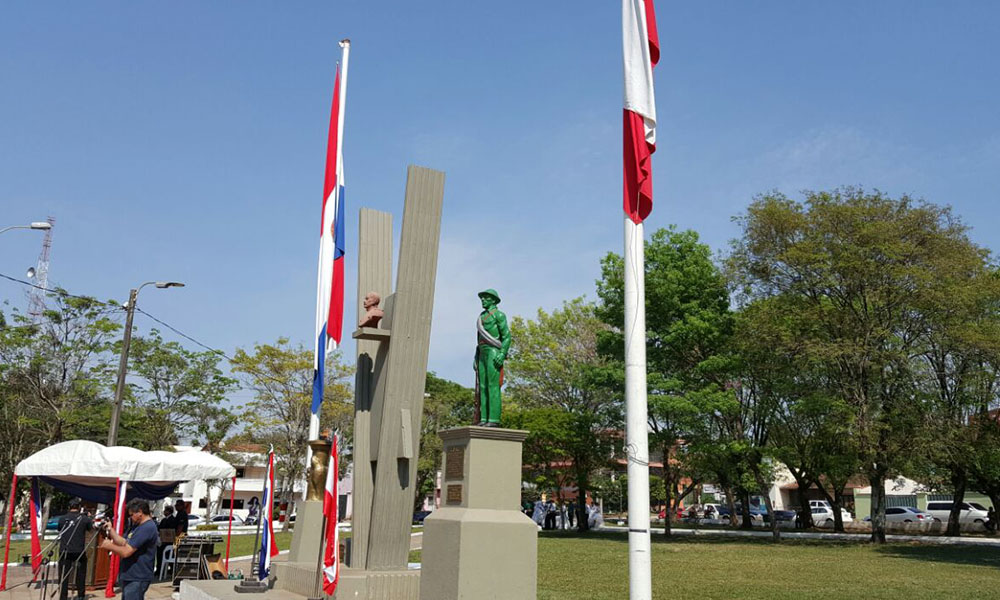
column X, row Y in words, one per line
column 454, row 462
column 454, row 494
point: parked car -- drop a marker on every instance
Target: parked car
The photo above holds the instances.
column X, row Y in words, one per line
column 53, row 523
column 758, row 514
column 419, row 516
column 783, row 516
column 906, row 514
column 224, row 519
column 970, row 514
column 195, row 520
column 823, row 516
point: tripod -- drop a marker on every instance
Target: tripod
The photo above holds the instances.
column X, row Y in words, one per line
column 67, row 569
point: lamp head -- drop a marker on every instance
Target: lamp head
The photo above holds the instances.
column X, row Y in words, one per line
column 30, row 273
column 43, row 225
column 168, row 284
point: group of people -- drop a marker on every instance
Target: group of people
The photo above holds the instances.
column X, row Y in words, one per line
column 140, row 547
column 549, row 515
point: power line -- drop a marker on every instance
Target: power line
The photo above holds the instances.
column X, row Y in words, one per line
column 191, row 339
column 59, row 291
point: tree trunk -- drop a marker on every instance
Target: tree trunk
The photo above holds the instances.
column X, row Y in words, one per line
column 804, row 512
column 731, row 505
column 745, row 499
column 838, row 509
column 837, row 502
column 958, row 481
column 582, row 485
column 668, row 485
column 877, row 480
column 995, row 500
column 764, row 490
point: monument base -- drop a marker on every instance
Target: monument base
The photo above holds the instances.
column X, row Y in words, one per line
column 479, row 544
column 308, row 533
column 472, row 553
column 355, row 584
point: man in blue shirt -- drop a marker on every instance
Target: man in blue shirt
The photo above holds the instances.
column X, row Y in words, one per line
column 137, row 550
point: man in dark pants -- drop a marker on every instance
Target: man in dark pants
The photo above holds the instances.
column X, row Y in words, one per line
column 137, row 550
column 169, row 525
column 73, row 528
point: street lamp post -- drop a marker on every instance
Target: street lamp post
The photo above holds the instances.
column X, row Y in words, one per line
column 40, row 225
column 123, row 363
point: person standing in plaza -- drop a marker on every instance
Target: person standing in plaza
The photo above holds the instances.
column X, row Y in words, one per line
column 137, row 550
column 73, row 528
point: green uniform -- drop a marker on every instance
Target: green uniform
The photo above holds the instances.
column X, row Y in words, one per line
column 493, row 323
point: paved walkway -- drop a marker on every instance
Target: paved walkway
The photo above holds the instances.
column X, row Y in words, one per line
column 17, row 576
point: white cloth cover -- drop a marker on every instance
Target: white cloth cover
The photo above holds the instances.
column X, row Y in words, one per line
column 90, row 463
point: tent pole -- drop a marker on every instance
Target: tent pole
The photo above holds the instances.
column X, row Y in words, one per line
column 10, row 528
column 116, row 522
column 229, row 537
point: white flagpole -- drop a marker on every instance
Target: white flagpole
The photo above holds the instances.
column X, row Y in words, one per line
column 345, row 46
column 636, row 432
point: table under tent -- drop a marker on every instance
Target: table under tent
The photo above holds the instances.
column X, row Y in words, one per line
column 110, row 476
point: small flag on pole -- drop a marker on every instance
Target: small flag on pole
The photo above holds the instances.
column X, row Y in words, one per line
column 268, row 546
column 330, row 276
column 331, row 509
column 36, row 524
column 641, row 53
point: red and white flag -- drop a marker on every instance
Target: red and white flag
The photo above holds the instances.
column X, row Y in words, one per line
column 332, row 243
column 331, row 509
column 641, row 52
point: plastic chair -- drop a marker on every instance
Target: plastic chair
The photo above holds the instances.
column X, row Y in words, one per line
column 167, row 561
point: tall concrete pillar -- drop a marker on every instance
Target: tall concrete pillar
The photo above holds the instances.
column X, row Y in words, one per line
column 479, row 545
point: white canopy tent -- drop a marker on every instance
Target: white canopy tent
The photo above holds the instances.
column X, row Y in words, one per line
column 86, row 463
column 110, row 475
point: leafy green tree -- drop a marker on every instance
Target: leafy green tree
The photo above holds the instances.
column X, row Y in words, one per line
column 958, row 361
column 446, row 404
column 554, row 391
column 280, row 375
column 177, row 393
column 687, row 323
column 59, row 366
column 860, row 268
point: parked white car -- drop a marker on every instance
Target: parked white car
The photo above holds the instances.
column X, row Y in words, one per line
column 823, row 516
column 970, row 514
column 224, row 519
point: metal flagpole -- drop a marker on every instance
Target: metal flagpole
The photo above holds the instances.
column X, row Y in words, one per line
column 260, row 517
column 636, row 433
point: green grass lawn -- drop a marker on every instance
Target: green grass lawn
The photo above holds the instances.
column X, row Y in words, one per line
column 595, row 567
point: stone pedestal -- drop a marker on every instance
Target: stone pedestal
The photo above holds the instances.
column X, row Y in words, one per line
column 307, row 533
column 479, row 544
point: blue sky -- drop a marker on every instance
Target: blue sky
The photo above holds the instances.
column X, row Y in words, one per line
column 186, row 140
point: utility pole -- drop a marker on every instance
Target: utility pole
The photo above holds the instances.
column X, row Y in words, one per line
column 116, row 410
column 122, row 368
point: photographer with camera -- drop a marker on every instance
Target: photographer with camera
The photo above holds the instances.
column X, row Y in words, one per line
column 73, row 528
column 137, row 550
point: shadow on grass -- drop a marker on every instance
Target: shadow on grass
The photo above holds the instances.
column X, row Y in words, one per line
column 707, row 540
column 929, row 552
column 959, row 555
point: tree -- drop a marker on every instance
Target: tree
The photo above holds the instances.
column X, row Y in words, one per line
column 554, row 373
column 280, row 376
column 859, row 268
column 59, row 366
column 178, row 393
column 687, row 323
column 446, row 404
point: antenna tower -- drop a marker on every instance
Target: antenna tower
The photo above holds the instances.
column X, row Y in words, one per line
column 36, row 301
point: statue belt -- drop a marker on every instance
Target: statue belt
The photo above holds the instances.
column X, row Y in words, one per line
column 485, row 338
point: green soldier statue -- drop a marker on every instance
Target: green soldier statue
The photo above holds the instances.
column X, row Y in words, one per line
column 493, row 343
